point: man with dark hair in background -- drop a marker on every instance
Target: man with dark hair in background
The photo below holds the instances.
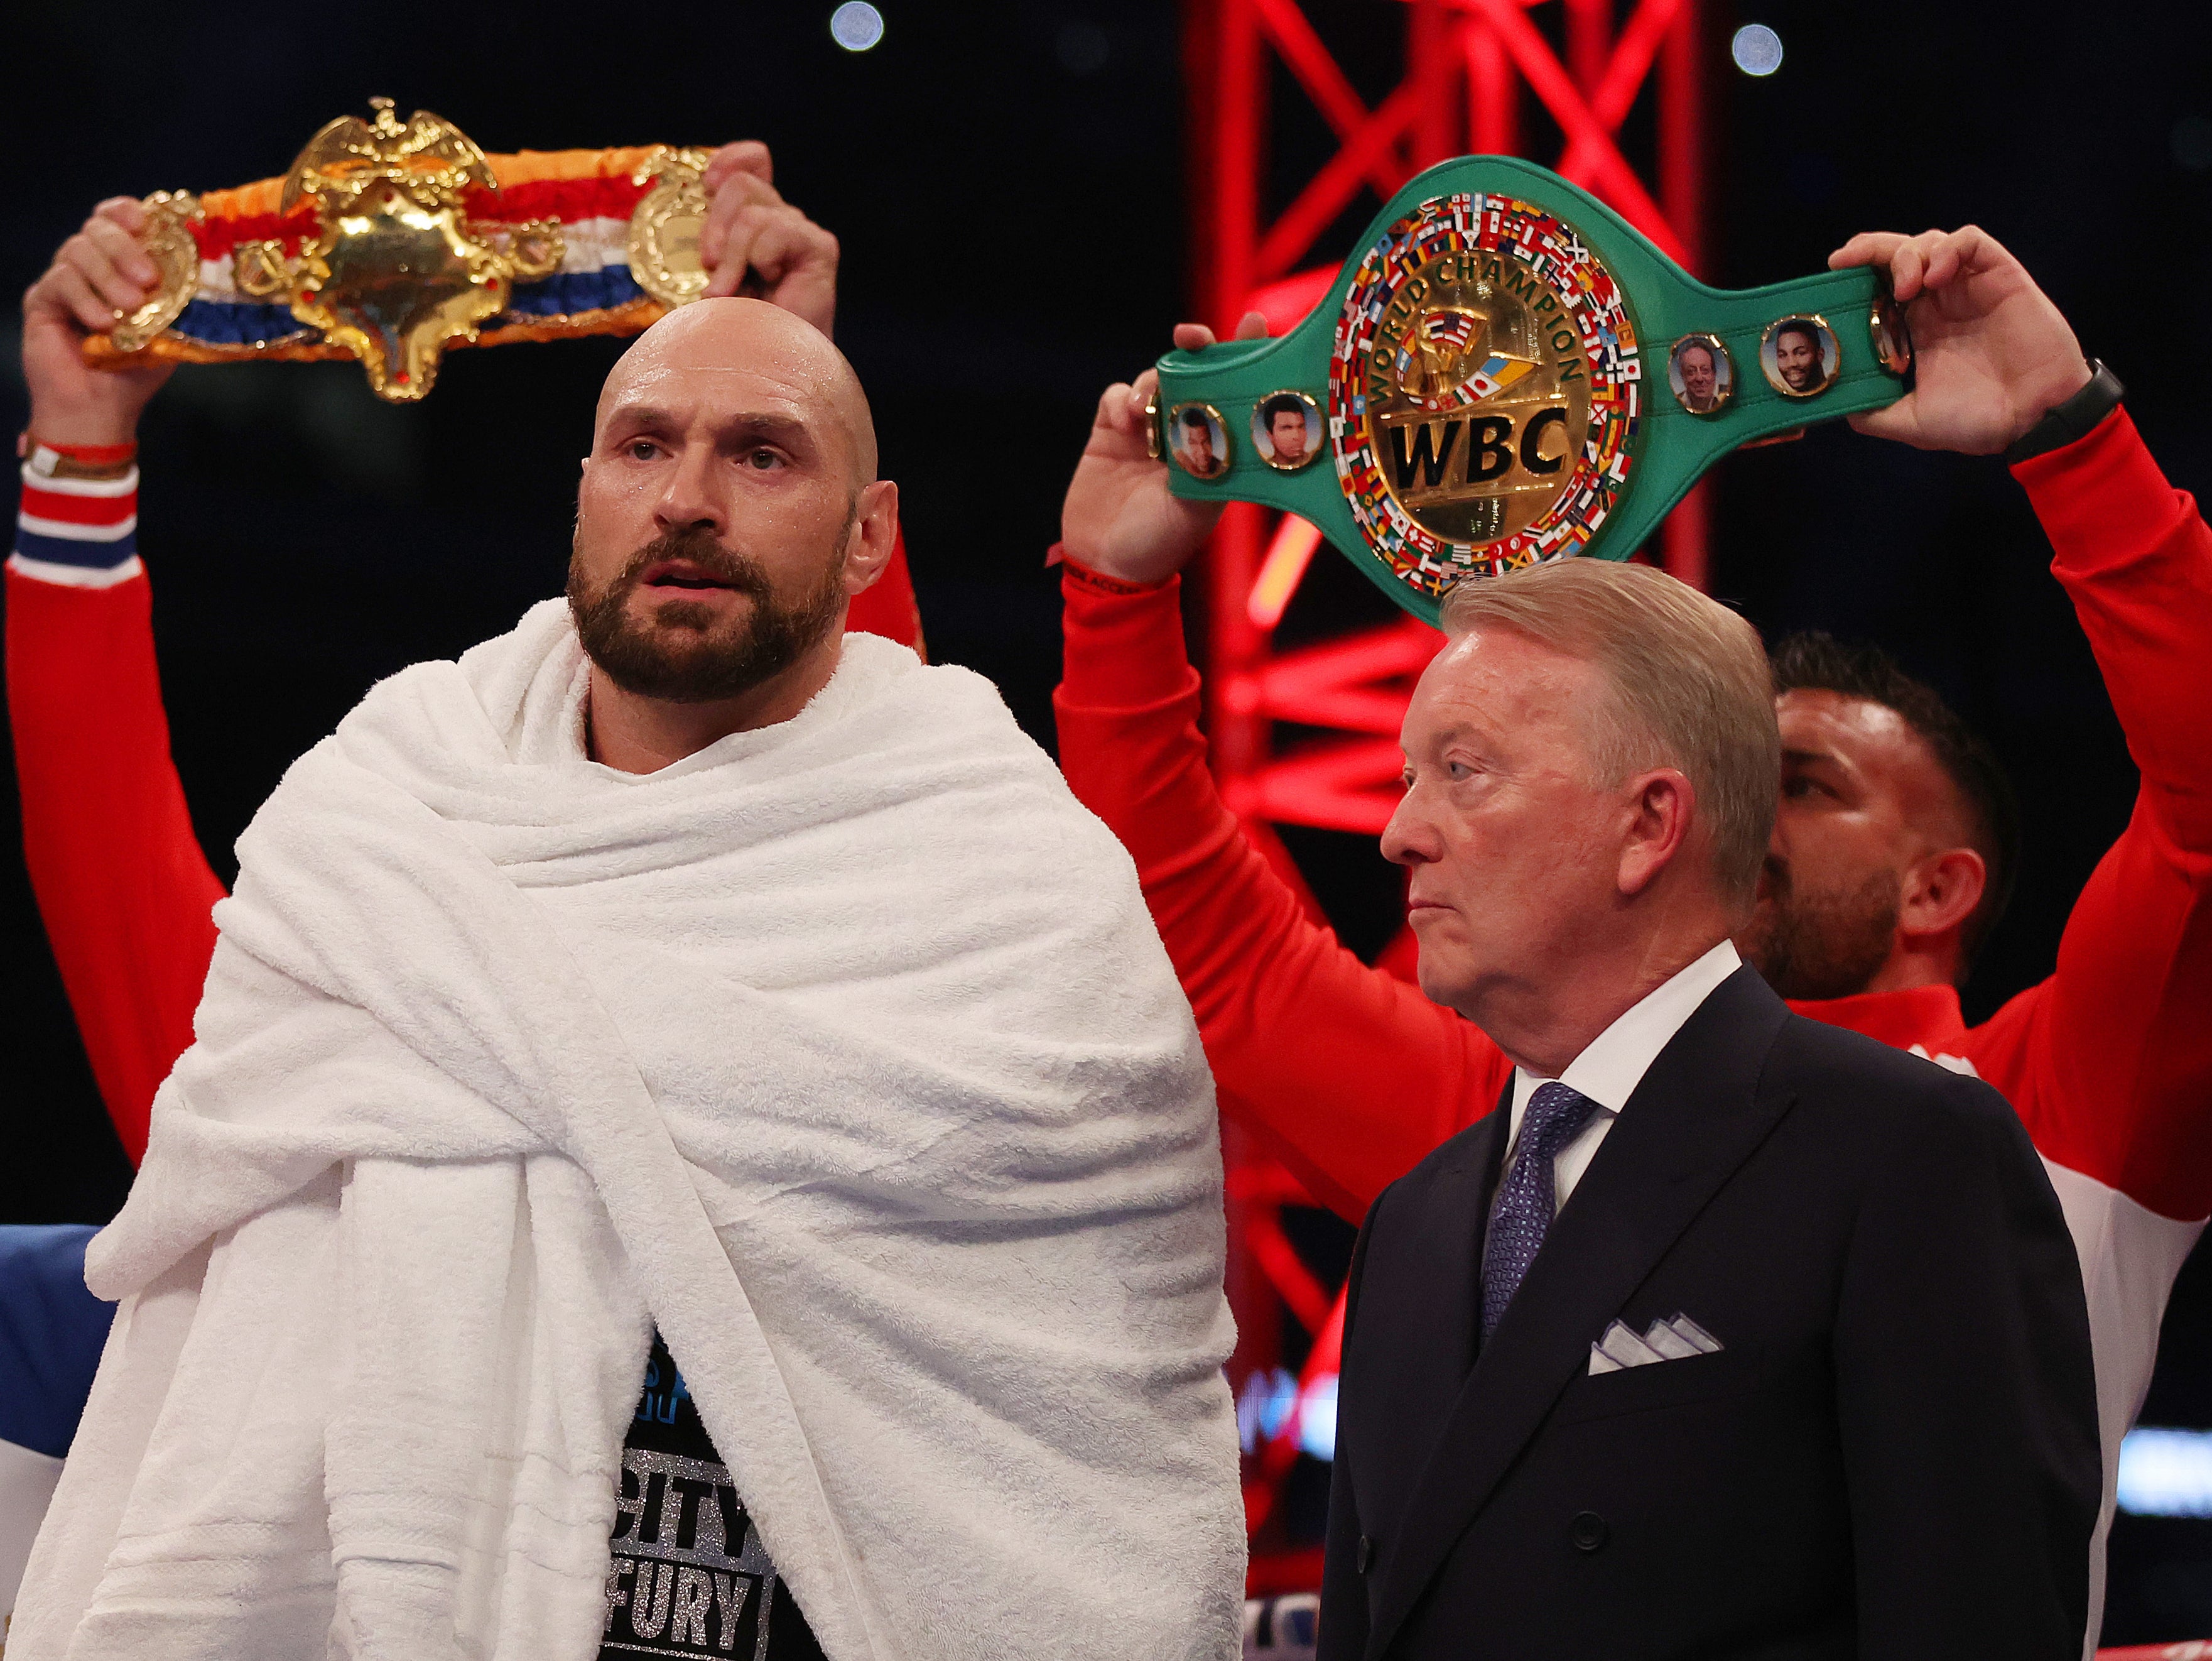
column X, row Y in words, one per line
column 1350, row 1076
column 1835, row 887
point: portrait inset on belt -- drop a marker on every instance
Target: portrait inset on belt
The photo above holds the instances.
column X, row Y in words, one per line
column 1799, row 355
column 1286, row 430
column 1701, row 374
column 1197, row 440
column 1892, row 339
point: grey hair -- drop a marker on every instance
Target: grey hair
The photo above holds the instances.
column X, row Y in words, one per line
column 1689, row 689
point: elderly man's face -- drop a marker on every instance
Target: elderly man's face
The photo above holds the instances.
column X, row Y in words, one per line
column 1798, row 360
column 1698, row 376
column 718, row 504
column 1513, row 849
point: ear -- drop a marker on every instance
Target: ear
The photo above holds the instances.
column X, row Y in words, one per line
column 1940, row 892
column 874, row 534
column 1661, row 805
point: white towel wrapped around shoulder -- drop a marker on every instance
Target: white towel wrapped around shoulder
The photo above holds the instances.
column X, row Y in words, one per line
column 844, row 1049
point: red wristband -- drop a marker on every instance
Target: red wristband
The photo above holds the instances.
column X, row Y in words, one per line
column 50, row 460
column 1098, row 581
column 97, row 454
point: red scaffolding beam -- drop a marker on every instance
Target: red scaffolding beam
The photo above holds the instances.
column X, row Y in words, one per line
column 1471, row 67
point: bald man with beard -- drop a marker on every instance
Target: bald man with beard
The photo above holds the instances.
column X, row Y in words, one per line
column 693, row 1145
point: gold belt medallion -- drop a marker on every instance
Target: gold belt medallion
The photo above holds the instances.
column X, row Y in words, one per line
column 393, row 242
column 664, row 229
column 168, row 238
column 1483, row 391
column 1471, row 405
column 398, row 270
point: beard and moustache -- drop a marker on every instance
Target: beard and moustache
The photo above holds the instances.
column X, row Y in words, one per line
column 1823, row 944
column 685, row 652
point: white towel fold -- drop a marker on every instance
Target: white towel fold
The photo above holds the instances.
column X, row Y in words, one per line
column 844, row 1049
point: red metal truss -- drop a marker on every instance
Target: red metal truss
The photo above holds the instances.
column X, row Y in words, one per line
column 1471, row 69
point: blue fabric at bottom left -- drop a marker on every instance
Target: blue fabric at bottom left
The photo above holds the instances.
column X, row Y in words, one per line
column 51, row 1331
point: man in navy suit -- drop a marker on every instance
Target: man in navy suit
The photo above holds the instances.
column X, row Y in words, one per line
column 1727, row 1333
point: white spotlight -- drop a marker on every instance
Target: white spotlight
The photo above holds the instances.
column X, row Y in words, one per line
column 1757, row 49
column 856, row 26
column 2165, row 1473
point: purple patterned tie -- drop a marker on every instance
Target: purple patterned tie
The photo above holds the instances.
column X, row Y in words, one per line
column 1525, row 1202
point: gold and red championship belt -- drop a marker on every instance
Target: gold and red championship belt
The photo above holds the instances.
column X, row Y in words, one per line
column 390, row 242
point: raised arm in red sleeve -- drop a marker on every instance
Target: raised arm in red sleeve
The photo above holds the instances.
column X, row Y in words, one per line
column 121, row 881
column 1349, row 1074
column 2110, row 1060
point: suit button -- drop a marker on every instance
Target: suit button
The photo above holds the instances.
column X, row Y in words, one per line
column 1365, row 1558
column 1587, row 1531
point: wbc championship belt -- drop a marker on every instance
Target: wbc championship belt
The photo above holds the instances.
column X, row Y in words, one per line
column 390, row 242
column 1508, row 372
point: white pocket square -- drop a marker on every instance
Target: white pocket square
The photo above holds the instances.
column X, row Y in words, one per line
column 1673, row 1339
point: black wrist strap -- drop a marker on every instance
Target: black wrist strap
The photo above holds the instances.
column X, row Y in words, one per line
column 2065, row 422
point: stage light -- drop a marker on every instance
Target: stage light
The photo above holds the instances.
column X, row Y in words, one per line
column 1267, row 1401
column 856, row 26
column 1757, row 49
column 1288, row 556
column 2165, row 1473
column 1317, row 1418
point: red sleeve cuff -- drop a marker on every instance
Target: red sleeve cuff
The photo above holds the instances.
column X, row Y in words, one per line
column 1099, row 582
column 2102, row 499
column 1123, row 642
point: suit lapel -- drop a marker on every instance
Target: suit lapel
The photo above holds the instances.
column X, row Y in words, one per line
column 1695, row 1117
column 1453, row 1223
column 1422, row 1287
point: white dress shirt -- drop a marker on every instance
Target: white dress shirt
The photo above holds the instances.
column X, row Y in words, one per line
column 1614, row 1062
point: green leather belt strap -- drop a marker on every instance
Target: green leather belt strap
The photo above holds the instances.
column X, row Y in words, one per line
column 1506, row 372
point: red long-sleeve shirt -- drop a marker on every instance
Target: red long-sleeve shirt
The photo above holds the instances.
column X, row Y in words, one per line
column 122, row 884
column 120, row 878
column 1350, row 1075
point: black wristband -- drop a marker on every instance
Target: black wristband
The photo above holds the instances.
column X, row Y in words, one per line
column 2063, row 423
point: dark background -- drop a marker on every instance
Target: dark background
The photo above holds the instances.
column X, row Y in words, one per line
column 1007, row 184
